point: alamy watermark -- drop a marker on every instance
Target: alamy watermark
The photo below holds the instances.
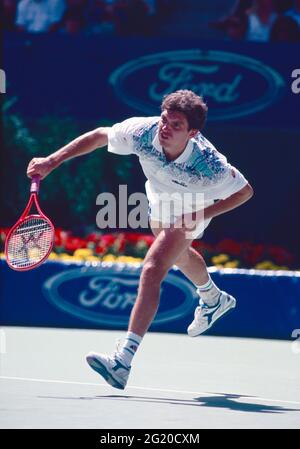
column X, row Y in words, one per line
column 2, row 82
column 296, row 83
column 177, row 210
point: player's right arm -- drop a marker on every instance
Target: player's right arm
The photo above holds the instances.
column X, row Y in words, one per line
column 83, row 144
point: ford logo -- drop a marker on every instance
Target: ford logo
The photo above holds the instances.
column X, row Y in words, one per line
column 233, row 85
column 106, row 294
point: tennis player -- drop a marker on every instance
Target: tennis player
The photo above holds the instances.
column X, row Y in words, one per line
column 177, row 160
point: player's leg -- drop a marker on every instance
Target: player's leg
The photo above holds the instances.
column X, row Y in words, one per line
column 213, row 303
column 190, row 262
column 165, row 250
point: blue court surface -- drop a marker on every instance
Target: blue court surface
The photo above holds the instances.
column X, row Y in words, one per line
column 177, row 382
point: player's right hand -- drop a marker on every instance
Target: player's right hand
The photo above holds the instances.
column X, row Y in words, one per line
column 39, row 166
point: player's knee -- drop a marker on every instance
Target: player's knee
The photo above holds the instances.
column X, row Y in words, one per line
column 153, row 270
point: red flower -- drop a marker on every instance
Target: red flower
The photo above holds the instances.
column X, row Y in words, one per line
column 132, row 237
column 280, row 255
column 73, row 243
column 229, row 246
column 201, row 246
column 61, row 236
column 107, row 239
column 254, row 254
column 101, row 249
column 93, row 237
column 120, row 243
column 105, row 242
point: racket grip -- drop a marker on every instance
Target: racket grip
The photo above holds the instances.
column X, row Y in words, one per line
column 35, row 184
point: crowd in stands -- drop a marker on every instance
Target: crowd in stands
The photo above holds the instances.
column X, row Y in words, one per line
column 123, row 17
column 263, row 21
column 250, row 20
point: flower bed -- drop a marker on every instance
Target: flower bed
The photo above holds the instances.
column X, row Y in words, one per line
column 132, row 247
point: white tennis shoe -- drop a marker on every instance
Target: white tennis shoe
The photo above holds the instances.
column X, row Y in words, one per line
column 206, row 316
column 110, row 368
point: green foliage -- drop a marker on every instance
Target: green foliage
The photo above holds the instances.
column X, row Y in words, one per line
column 69, row 193
column 20, row 146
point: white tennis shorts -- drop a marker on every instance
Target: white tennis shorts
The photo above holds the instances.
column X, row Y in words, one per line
column 168, row 213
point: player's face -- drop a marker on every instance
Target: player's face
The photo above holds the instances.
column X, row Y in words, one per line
column 173, row 130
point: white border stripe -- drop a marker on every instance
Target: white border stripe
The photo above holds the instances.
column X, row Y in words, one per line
column 249, row 398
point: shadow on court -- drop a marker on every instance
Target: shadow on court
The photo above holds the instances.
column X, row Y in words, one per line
column 224, row 401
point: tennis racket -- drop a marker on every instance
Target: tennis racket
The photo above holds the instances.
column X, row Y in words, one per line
column 30, row 240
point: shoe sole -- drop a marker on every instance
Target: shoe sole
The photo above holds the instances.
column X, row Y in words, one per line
column 230, row 309
column 101, row 369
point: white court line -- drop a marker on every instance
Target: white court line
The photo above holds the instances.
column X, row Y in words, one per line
column 249, row 398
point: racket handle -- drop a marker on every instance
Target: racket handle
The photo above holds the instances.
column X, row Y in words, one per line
column 35, row 184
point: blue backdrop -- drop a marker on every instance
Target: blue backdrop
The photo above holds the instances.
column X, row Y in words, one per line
column 80, row 296
column 95, row 77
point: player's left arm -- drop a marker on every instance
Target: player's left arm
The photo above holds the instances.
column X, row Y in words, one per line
column 233, row 201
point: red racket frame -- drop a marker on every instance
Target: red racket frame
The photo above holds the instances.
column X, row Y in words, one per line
column 34, row 189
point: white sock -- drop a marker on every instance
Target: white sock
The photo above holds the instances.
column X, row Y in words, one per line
column 209, row 292
column 129, row 348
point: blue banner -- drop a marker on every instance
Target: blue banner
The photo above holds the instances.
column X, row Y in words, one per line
column 101, row 297
column 98, row 77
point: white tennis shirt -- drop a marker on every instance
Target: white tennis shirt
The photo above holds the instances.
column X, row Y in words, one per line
column 199, row 169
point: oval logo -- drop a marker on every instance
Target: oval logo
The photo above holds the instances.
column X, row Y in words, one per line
column 105, row 295
column 234, row 85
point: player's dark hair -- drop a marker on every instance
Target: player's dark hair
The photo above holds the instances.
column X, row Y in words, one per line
column 189, row 104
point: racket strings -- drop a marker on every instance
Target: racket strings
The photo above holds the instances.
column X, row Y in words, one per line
column 30, row 242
